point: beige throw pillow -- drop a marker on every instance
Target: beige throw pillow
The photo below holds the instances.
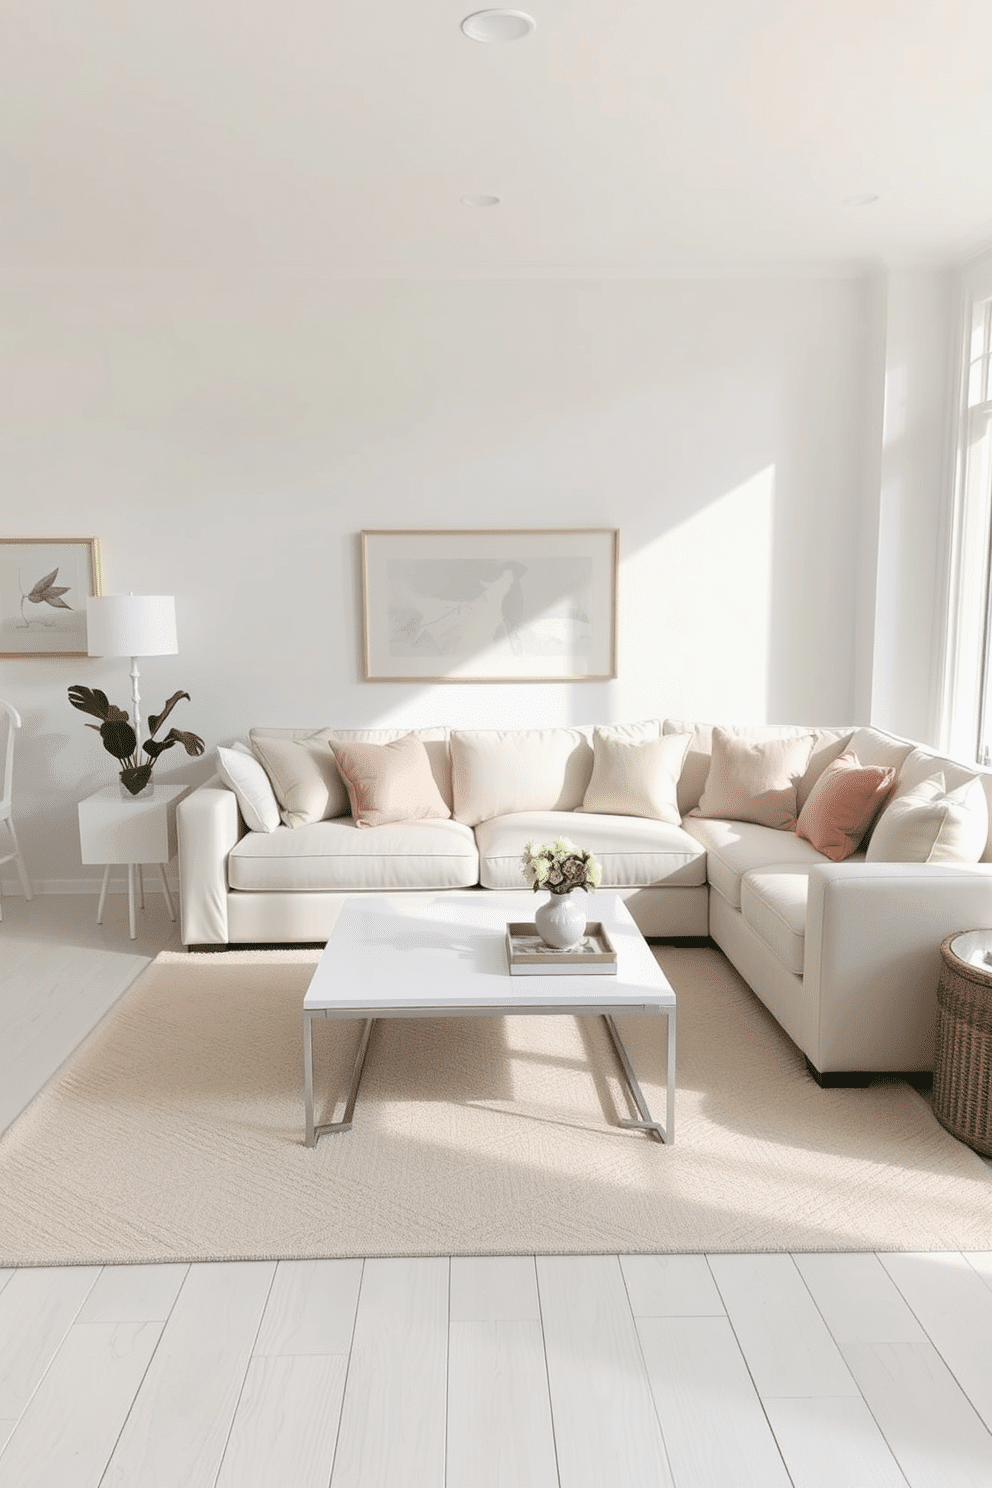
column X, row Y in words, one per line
column 636, row 779
column 933, row 825
column 389, row 782
column 303, row 774
column 755, row 780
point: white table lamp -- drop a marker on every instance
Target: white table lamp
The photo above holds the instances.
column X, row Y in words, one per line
column 132, row 625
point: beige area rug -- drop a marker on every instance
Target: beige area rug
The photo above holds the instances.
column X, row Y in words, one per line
column 176, row 1133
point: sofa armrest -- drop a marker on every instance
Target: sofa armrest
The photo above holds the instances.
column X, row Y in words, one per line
column 872, row 958
column 208, row 825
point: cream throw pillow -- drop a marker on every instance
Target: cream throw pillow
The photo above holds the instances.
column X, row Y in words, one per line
column 636, row 779
column 933, row 825
column 242, row 773
column 755, row 780
column 389, row 782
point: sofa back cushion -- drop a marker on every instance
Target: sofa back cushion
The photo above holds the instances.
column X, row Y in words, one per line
column 306, row 780
column 828, row 743
column 498, row 771
column 873, row 747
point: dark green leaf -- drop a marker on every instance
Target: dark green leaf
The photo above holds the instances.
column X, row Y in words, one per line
column 155, row 747
column 90, row 700
column 156, row 720
column 119, row 739
column 192, row 743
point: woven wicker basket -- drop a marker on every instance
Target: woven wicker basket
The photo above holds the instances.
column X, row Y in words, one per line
column 962, row 1072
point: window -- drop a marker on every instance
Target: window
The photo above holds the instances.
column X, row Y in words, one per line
column 978, row 487
column 968, row 672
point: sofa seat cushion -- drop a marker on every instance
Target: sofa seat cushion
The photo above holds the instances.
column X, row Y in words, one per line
column 632, row 851
column 733, row 848
column 773, row 905
column 337, row 855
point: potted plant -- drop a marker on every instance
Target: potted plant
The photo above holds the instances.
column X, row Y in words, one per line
column 120, row 739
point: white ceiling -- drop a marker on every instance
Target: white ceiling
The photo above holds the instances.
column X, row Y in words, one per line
column 631, row 137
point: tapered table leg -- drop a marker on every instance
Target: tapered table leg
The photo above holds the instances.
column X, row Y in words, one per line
column 165, row 891
column 103, row 895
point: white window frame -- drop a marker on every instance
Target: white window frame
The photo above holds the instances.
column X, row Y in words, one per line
column 967, row 709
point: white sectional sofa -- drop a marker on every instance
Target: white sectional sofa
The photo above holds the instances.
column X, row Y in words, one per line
column 844, row 954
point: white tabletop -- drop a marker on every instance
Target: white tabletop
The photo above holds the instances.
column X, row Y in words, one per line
column 110, row 795
column 447, row 951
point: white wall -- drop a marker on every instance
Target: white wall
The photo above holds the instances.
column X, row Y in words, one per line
column 228, row 441
column 909, row 504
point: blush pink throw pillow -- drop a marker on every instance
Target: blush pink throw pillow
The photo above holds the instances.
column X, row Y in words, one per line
column 843, row 804
column 389, row 782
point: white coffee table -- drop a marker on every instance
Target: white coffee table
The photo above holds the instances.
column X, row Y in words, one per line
column 443, row 956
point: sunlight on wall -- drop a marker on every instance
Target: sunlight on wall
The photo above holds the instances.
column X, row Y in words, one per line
column 696, row 612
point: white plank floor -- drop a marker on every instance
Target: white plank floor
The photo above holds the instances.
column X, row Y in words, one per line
column 819, row 1371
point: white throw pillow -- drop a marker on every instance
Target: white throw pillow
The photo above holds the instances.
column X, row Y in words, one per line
column 636, row 779
column 242, row 773
column 933, row 825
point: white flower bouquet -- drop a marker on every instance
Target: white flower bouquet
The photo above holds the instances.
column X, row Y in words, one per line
column 560, row 867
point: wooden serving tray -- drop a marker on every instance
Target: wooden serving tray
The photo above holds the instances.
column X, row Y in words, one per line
column 527, row 954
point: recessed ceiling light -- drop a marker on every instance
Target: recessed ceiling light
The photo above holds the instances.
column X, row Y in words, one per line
column 480, row 201
column 866, row 199
column 498, row 25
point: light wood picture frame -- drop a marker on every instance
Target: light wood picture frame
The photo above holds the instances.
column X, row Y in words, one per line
column 505, row 605
column 44, row 585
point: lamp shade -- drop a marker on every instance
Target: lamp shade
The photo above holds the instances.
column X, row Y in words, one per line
column 131, row 625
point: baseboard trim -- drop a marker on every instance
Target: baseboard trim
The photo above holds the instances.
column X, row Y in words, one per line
column 11, row 888
column 688, row 942
column 858, row 1079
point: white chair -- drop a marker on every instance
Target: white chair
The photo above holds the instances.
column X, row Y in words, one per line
column 10, row 720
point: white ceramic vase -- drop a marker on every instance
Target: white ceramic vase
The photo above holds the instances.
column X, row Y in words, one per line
column 561, row 920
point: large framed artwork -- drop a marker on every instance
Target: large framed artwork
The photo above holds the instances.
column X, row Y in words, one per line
column 44, row 585
column 513, row 605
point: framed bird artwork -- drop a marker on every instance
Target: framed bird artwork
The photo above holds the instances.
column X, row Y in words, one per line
column 508, row 605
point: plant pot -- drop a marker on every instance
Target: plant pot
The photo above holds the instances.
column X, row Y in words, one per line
column 142, row 795
column 561, row 920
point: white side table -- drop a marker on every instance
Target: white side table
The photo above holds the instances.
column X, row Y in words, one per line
column 112, row 830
